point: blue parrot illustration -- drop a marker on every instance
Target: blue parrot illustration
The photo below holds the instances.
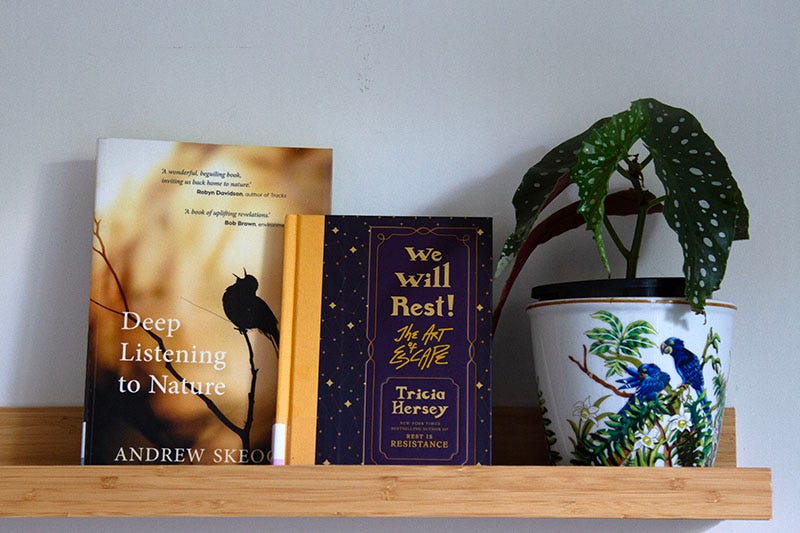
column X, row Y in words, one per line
column 687, row 364
column 648, row 380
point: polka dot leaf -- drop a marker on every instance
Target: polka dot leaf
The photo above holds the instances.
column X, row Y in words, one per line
column 702, row 201
column 541, row 183
column 704, row 205
column 599, row 156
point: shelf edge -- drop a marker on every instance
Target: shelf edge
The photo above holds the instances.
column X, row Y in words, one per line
column 378, row 491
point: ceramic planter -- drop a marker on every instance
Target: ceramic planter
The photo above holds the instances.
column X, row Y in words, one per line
column 628, row 374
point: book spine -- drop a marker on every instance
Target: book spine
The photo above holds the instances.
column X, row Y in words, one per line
column 298, row 364
column 91, row 363
column 280, row 431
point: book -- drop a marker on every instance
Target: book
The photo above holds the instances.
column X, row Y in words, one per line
column 184, row 312
column 386, row 354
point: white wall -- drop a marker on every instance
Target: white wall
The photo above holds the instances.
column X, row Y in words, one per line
column 431, row 108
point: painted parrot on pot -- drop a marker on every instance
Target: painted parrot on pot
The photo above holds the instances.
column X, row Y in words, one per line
column 687, row 364
column 647, row 380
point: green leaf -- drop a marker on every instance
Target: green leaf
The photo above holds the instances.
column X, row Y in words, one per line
column 704, row 205
column 538, row 188
column 638, row 343
column 600, row 400
column 631, row 347
column 586, row 429
column 620, row 203
column 599, row 348
column 714, row 340
column 611, row 320
column 638, row 329
column 575, row 427
column 602, row 334
column 599, row 156
column 615, row 367
column 634, row 338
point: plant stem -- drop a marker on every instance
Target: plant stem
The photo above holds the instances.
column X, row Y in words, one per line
column 645, row 202
column 635, row 172
column 615, row 237
column 636, row 244
column 655, row 201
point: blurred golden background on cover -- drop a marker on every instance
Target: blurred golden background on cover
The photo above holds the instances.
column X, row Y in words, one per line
column 175, row 260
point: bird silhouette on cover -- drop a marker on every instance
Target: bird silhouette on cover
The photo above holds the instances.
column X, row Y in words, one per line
column 648, row 380
column 247, row 311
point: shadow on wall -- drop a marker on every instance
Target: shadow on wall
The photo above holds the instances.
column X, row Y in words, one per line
column 51, row 346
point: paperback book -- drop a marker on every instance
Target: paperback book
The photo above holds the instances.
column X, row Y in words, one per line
column 386, row 351
column 184, row 316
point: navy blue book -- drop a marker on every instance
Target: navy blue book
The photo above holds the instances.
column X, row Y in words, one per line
column 385, row 353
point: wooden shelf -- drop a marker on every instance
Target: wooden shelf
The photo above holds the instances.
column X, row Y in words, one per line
column 39, row 477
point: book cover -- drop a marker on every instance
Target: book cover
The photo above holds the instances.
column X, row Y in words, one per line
column 186, row 274
column 386, row 357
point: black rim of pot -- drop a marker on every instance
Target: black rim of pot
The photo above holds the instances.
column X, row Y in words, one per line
column 612, row 288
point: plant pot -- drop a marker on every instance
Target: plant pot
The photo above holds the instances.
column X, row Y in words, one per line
column 628, row 374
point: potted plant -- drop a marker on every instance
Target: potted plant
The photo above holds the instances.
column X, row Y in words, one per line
column 632, row 371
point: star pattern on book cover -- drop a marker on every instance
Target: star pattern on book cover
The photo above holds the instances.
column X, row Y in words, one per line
column 344, row 308
column 343, row 315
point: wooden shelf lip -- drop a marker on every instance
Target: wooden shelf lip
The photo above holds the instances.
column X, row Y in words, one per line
column 384, row 491
column 40, row 477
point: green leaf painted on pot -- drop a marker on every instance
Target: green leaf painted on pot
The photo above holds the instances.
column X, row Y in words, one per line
column 714, row 339
column 604, row 339
column 611, row 320
column 638, row 329
column 631, row 346
column 699, row 187
column 600, row 348
column 598, row 158
column 537, row 189
column 720, row 386
column 619, row 345
column 602, row 335
column 634, row 338
column 575, row 428
column 600, row 400
column 615, row 367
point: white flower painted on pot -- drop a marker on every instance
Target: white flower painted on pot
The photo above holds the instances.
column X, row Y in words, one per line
column 648, row 440
column 586, row 410
column 679, row 422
